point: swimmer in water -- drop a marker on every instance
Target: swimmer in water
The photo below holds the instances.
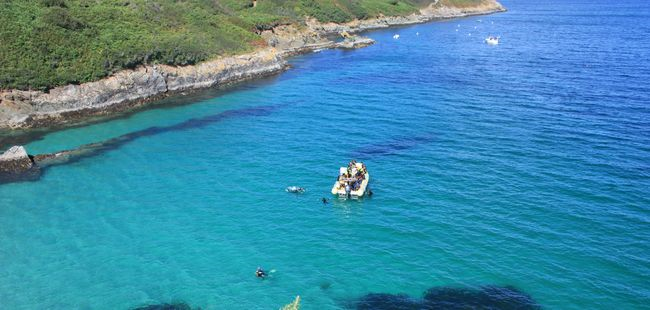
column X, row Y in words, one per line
column 325, row 201
column 260, row 273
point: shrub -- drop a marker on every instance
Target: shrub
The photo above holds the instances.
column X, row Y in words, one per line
column 47, row 43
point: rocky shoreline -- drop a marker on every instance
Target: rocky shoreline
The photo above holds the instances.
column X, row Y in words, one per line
column 129, row 89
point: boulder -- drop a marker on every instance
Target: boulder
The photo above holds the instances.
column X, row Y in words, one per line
column 15, row 160
column 16, row 165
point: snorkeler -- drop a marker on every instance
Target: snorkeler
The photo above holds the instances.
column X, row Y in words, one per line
column 260, row 273
column 324, row 200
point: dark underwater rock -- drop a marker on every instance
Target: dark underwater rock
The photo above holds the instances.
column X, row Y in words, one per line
column 487, row 297
column 165, row 306
column 388, row 301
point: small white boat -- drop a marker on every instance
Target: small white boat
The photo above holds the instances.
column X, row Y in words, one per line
column 492, row 40
column 352, row 184
column 396, row 36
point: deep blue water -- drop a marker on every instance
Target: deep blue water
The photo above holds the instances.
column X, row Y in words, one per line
column 524, row 165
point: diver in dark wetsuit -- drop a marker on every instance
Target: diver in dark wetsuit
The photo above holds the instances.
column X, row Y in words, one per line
column 260, row 273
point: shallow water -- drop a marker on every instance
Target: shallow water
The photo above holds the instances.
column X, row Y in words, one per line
column 525, row 164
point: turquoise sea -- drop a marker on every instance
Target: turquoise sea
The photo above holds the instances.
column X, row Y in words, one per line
column 515, row 175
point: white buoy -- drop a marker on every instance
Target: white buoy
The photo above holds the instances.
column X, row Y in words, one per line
column 396, row 36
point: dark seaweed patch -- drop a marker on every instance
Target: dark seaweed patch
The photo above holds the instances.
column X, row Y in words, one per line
column 93, row 149
column 32, row 174
column 388, row 301
column 487, row 297
column 390, row 147
column 325, row 285
column 172, row 306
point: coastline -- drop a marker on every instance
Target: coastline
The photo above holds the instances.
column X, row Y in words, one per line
column 129, row 89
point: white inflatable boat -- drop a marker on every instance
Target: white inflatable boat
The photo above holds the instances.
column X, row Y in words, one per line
column 352, row 184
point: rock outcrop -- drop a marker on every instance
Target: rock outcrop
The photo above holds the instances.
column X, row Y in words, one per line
column 291, row 39
column 131, row 88
column 355, row 42
column 16, row 163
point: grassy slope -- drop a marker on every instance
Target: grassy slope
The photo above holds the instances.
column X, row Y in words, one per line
column 46, row 43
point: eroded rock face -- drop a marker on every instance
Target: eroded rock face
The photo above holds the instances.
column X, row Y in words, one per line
column 15, row 160
column 355, row 42
column 290, row 39
column 128, row 89
column 131, row 88
column 16, row 164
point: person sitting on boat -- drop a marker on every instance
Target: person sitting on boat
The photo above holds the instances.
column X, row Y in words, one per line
column 343, row 179
column 352, row 165
column 356, row 185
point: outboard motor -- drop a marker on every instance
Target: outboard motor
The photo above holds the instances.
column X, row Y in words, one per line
column 347, row 190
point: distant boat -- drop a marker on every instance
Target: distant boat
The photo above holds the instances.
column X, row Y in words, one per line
column 396, row 36
column 492, row 40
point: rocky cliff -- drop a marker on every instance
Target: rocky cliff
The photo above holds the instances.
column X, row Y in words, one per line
column 131, row 88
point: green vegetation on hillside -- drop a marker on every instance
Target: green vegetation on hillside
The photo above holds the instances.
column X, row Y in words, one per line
column 46, row 43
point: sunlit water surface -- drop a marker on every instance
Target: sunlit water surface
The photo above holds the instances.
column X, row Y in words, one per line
column 525, row 164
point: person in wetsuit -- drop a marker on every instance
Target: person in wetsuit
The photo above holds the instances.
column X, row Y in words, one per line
column 260, row 273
